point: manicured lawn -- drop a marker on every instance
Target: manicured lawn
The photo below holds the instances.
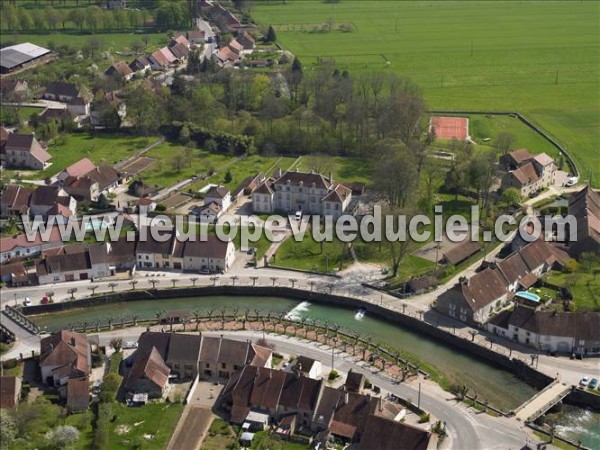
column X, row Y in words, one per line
column 154, row 419
column 344, row 169
column 584, row 285
column 307, row 255
column 539, row 58
column 70, row 148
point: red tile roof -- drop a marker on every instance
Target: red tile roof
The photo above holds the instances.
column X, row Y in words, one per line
column 68, row 351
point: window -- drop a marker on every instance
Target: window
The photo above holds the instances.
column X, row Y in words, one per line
column 223, row 366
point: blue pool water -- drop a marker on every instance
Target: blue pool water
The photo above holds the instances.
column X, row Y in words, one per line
column 528, row 295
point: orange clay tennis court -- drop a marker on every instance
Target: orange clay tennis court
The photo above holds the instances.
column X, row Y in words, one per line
column 450, row 127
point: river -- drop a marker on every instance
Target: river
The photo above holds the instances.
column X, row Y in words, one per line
column 499, row 386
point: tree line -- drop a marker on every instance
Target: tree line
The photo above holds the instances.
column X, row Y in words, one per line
column 93, row 18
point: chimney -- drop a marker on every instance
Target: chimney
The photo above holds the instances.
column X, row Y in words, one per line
column 73, row 341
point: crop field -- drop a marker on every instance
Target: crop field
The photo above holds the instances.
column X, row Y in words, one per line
column 539, row 58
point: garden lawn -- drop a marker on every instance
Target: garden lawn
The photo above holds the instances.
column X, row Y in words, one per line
column 307, row 255
column 344, row 169
column 220, row 436
column 584, row 285
column 109, row 148
column 541, row 59
column 156, row 419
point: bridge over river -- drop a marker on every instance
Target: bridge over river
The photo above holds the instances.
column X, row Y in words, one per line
column 542, row 401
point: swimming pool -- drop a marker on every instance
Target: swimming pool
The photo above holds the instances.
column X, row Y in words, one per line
column 528, row 296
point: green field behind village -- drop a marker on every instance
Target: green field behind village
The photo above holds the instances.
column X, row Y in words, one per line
column 541, row 59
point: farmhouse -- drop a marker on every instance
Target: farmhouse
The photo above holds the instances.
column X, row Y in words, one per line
column 64, row 355
column 219, row 195
column 11, row 90
column 140, row 64
column 23, row 151
column 51, row 200
column 221, row 358
column 119, row 70
column 474, row 299
column 526, row 172
column 75, row 262
column 14, row 200
column 149, row 374
column 62, row 92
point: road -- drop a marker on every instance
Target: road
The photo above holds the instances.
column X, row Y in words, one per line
column 467, row 428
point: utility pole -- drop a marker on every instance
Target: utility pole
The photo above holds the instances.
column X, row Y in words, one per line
column 326, row 262
column 556, row 80
column 419, row 397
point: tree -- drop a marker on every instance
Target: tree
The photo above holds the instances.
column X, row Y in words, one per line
column 92, row 46
column 178, row 161
column 53, row 17
column 62, row 436
column 271, row 36
column 93, row 16
column 116, row 344
column 25, row 19
column 77, row 16
column 395, row 172
column 228, row 177
column 39, row 19
column 137, row 47
column 504, row 142
column 511, row 197
column 10, row 16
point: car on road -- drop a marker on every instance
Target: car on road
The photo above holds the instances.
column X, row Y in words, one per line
column 204, row 272
column 534, row 194
column 27, row 301
column 130, row 344
column 584, row 381
column 298, row 215
column 593, row 383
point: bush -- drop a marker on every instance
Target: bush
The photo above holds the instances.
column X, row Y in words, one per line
column 368, row 384
column 160, row 207
column 333, row 375
column 423, row 418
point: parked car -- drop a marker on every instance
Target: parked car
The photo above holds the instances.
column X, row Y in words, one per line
column 298, row 215
column 572, row 181
column 593, row 383
column 584, row 381
column 27, row 301
column 251, row 251
column 130, row 344
column 204, row 271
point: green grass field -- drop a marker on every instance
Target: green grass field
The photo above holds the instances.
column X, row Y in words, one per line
column 108, row 148
column 156, row 421
column 539, row 58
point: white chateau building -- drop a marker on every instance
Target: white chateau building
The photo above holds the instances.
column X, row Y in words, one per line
column 311, row 193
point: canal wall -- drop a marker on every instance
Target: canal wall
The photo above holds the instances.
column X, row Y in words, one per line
column 522, row 370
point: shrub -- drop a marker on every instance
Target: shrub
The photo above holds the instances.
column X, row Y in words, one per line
column 368, row 384
column 333, row 375
column 423, row 418
column 160, row 207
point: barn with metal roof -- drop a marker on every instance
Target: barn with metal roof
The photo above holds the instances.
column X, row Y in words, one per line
column 16, row 56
